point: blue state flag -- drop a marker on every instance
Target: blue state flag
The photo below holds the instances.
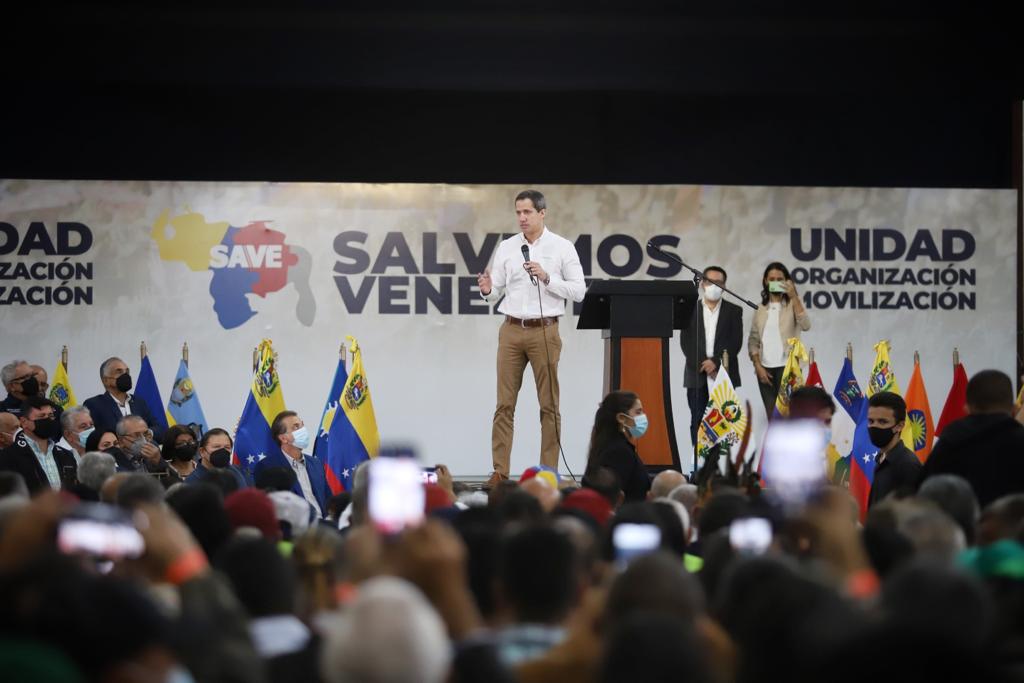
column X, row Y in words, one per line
column 183, row 405
column 848, row 391
column 146, row 389
column 253, row 440
column 330, row 408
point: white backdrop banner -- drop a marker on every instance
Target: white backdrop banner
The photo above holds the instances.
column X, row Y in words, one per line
column 101, row 266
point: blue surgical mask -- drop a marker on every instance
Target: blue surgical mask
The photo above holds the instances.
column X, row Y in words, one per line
column 300, row 438
column 639, row 425
column 83, row 435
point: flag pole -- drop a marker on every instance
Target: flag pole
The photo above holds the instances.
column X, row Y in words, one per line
column 343, row 354
column 184, row 353
column 849, row 351
column 142, row 351
column 917, row 358
column 810, row 356
column 255, row 357
column 64, row 357
column 725, row 360
column 956, row 357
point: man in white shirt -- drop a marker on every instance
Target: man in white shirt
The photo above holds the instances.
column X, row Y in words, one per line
column 536, row 283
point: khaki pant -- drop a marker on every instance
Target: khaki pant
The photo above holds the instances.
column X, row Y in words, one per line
column 517, row 346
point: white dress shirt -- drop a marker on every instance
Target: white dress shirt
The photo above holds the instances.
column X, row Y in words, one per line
column 557, row 256
column 710, row 327
column 126, row 407
column 772, row 353
column 307, row 488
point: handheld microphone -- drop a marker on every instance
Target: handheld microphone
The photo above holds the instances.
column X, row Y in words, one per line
column 526, row 257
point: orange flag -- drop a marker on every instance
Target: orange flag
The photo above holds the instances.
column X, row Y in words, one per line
column 920, row 430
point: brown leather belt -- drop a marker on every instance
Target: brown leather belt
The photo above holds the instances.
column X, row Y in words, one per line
column 532, row 322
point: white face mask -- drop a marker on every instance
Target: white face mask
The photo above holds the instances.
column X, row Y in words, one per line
column 712, row 292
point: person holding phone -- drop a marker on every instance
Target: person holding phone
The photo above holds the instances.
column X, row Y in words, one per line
column 619, row 418
column 780, row 317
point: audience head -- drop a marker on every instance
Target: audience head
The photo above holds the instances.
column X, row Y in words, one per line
column 201, row 507
column 215, row 448
column 76, row 424
column 954, row 496
column 263, row 579
column 389, row 634
column 606, row 482
column 39, row 418
column 19, row 380
column 664, row 482
column 100, row 440
column 289, row 431
column 42, row 378
column 139, row 488
column 812, row 403
column 617, row 412
column 887, row 415
column 538, row 578
column 179, row 444
column 95, row 469
column 1002, row 519
column 115, row 376
column 9, row 426
column 990, row 391
column 253, row 508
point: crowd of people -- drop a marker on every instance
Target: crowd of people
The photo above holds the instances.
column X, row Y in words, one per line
column 133, row 554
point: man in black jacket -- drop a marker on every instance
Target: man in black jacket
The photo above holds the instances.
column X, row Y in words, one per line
column 716, row 325
column 35, row 454
column 987, row 446
column 896, row 467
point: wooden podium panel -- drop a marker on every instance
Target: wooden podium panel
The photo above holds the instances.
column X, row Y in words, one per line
column 641, row 365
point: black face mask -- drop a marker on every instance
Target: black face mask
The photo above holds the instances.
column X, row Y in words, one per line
column 30, row 386
column 184, row 452
column 47, row 428
column 119, row 455
column 124, row 383
column 220, row 458
column 881, row 436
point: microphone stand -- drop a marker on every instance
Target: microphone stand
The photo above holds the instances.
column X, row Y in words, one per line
column 698, row 277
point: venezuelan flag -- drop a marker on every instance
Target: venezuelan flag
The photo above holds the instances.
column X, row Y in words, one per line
column 253, row 440
column 353, row 436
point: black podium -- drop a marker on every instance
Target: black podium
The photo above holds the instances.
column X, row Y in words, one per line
column 637, row 318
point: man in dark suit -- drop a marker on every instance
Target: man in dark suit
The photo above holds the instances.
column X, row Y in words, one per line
column 716, row 325
column 291, row 434
column 108, row 408
column 35, row 454
column 897, row 468
column 987, row 446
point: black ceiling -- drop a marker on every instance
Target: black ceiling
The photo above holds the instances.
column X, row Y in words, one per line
column 497, row 91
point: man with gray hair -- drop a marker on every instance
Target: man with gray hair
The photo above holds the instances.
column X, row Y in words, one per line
column 94, row 469
column 77, row 426
column 136, row 440
column 389, row 634
column 20, row 382
column 116, row 403
column 664, row 483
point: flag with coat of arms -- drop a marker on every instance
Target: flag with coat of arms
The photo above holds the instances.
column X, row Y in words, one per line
column 61, row 392
column 792, row 376
column 724, row 419
column 253, row 440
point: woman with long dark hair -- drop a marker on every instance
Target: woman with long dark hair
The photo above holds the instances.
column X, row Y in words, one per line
column 620, row 414
column 780, row 317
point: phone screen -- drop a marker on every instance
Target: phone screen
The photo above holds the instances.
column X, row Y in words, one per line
column 750, row 535
column 632, row 540
column 429, row 475
column 99, row 530
column 396, row 494
column 794, row 459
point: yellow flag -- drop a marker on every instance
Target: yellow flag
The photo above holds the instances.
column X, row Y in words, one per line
column 357, row 404
column 792, row 375
column 882, row 377
column 61, row 392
